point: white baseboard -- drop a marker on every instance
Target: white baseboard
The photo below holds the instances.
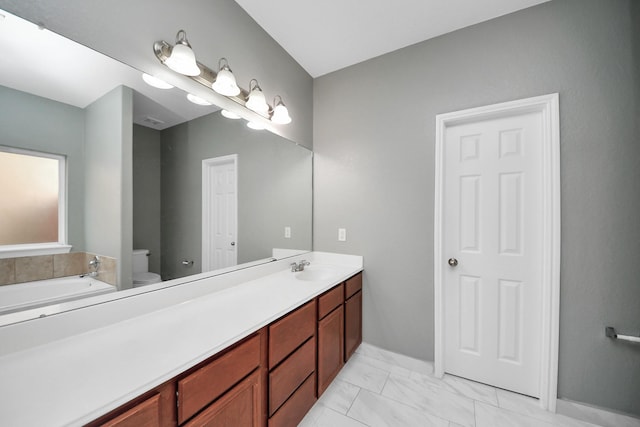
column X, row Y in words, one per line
column 594, row 415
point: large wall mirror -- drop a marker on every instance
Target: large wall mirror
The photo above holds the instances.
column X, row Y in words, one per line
column 146, row 168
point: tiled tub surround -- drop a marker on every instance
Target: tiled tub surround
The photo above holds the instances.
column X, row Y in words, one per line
column 42, row 267
column 83, row 363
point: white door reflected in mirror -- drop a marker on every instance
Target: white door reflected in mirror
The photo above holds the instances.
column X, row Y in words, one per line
column 219, row 212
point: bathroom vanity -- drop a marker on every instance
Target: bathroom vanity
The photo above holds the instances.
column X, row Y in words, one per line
column 254, row 347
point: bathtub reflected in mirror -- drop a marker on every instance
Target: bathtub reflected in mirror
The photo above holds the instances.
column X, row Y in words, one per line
column 32, row 295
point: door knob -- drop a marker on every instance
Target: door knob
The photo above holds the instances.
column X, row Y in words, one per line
column 453, row 262
column 233, row 243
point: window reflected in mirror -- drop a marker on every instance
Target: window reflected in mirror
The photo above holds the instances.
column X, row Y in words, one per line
column 30, row 197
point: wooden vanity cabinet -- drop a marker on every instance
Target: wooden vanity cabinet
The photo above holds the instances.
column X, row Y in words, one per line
column 292, row 366
column 271, row 378
column 330, row 336
column 352, row 315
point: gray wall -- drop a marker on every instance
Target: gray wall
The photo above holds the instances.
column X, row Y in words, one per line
column 374, row 175
column 34, row 123
column 146, row 193
column 108, row 180
column 274, row 190
column 126, row 30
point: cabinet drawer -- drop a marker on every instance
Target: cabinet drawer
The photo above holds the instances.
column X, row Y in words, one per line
column 330, row 300
column 290, row 332
column 294, row 409
column 239, row 407
column 353, row 285
column 286, row 378
column 206, row 384
column 144, row 414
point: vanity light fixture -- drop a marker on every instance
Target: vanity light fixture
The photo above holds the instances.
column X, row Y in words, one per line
column 280, row 112
column 197, row 100
column 225, row 83
column 230, row 114
column 256, row 100
column 182, row 59
column 155, row 82
column 255, row 126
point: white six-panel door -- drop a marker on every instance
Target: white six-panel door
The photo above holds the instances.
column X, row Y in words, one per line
column 492, row 239
column 219, row 212
column 497, row 245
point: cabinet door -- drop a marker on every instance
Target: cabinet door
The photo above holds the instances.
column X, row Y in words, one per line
column 155, row 409
column 330, row 347
column 352, row 324
column 239, row 407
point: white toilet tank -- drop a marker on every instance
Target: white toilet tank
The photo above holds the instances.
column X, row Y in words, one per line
column 141, row 274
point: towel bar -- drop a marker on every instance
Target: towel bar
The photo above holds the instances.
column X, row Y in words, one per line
column 611, row 333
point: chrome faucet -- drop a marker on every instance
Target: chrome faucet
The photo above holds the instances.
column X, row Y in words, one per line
column 299, row 266
column 95, row 265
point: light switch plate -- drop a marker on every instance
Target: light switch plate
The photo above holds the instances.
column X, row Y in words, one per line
column 342, row 234
column 287, row 232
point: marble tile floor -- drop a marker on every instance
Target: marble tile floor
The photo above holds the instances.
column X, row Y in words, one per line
column 377, row 388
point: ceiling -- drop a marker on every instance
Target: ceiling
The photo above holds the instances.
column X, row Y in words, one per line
column 323, row 36
column 327, row 35
column 48, row 65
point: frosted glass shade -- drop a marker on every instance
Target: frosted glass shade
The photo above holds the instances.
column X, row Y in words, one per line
column 225, row 83
column 281, row 115
column 257, row 102
column 183, row 60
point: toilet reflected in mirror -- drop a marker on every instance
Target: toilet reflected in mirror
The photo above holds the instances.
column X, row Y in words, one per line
column 141, row 274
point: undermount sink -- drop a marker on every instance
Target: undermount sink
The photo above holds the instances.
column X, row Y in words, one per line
column 315, row 273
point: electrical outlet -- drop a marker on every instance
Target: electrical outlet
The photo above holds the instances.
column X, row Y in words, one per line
column 287, row 232
column 342, row 234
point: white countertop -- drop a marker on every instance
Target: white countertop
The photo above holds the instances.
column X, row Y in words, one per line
column 75, row 379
